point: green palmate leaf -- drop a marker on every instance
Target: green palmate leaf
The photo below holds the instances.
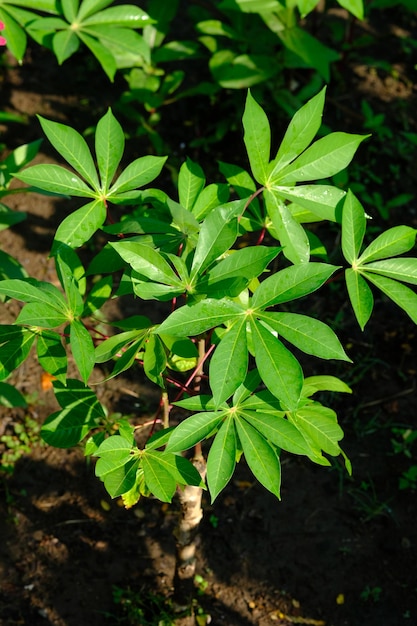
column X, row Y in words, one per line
column 313, row 384
column 122, row 479
column 52, row 355
column 279, row 369
column 251, row 6
column 81, row 412
column 217, row 234
column 261, row 457
column 360, row 296
column 155, row 360
column 181, row 469
column 322, row 201
column 233, row 71
column 278, row 431
column 291, row 283
column 16, row 36
column 194, row 429
column 229, row 364
column 159, row 480
column 139, row 173
column 353, row 227
column 191, row 320
column 71, row 274
column 326, row 157
column 101, row 52
column 197, row 403
column 14, row 348
column 109, row 348
column 310, row 50
column 291, row 235
column 42, row 315
column 80, row 226
column 127, row 358
column 90, row 7
column 307, row 334
column 69, row 9
column 319, row 424
column 353, row 6
column 73, row 148
column 191, row 181
column 221, row 460
column 300, row 133
column 209, row 198
column 403, row 296
column 65, row 44
column 248, row 262
column 32, row 290
column 10, row 396
column 392, row 242
column 126, row 46
column 100, row 293
column 110, row 142
column 82, row 348
column 55, row 179
column 404, row 269
column 306, row 6
column 115, row 451
column 126, row 15
column 257, row 138
column 147, row 262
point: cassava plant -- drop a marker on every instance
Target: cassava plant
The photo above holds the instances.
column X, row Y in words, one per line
column 235, row 262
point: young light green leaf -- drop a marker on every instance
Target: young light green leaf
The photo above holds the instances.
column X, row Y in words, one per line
column 110, row 347
column 82, row 348
column 257, row 138
column 193, row 430
column 55, row 179
column 221, row 460
column 217, row 234
column 403, row 296
column 300, row 133
column 279, row 369
column 291, row 283
column 307, row 334
column 127, row 358
column 80, row 226
column 229, row 363
column 360, row 296
column 291, row 234
column 353, row 6
column 52, row 355
column 326, row 157
column 261, row 457
column 110, row 142
column 353, row 227
column 137, row 174
column 195, row 319
column 392, row 242
column 126, row 15
column 191, row 182
column 73, row 148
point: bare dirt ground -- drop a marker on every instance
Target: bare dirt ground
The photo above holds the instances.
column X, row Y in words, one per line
column 337, row 551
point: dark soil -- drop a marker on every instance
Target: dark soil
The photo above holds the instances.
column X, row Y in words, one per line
column 336, row 550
